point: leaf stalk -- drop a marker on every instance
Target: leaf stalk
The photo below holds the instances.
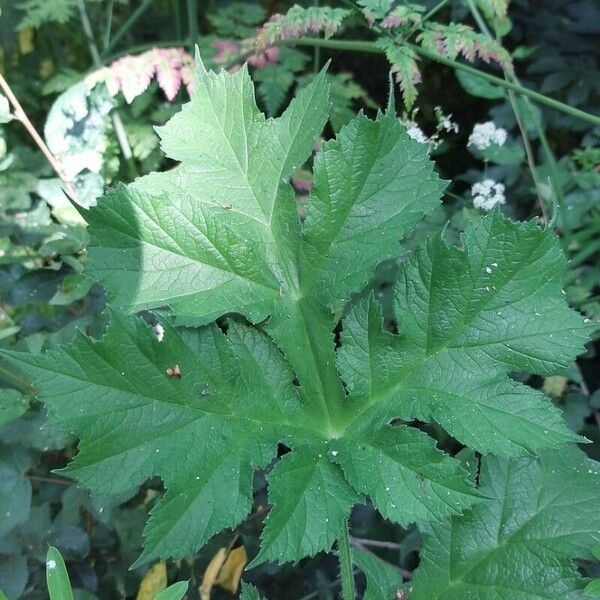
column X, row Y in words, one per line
column 346, row 571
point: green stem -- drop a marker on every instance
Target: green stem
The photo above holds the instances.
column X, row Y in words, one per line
column 316, row 50
column 192, row 10
column 540, row 130
column 129, row 23
column 346, row 572
column 108, row 26
column 116, row 118
column 372, row 47
column 517, row 112
column 435, row 10
column 16, row 381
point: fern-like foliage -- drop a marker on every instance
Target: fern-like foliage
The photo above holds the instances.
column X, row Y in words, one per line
column 131, row 75
column 395, row 24
column 403, row 15
column 299, row 21
column 493, row 9
column 39, row 12
column 456, row 39
column 404, row 67
column 204, row 404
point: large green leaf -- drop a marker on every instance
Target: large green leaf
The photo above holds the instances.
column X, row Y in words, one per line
column 202, row 408
column 519, row 545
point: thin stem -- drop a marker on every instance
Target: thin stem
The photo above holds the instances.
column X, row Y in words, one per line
column 192, row 10
column 536, row 123
column 20, row 115
column 519, row 118
column 435, row 10
column 355, row 541
column 143, row 47
column 528, row 153
column 363, row 544
column 129, row 23
column 108, row 26
column 116, row 118
column 316, row 50
column 362, row 46
column 426, row 17
column 346, row 572
column 65, row 482
column 17, row 381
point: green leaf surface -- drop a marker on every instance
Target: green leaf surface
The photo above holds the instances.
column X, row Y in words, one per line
column 312, row 499
column 476, row 86
column 57, row 578
column 15, row 488
column 519, row 545
column 174, row 592
column 12, row 405
column 592, row 589
column 467, row 318
column 249, row 592
column 220, row 235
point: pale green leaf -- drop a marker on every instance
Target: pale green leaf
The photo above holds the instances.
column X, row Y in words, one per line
column 57, row 578
column 174, row 592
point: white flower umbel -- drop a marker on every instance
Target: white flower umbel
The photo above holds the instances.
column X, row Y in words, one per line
column 487, row 193
column 416, row 133
column 486, row 134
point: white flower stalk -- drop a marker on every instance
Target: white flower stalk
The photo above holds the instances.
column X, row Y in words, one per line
column 448, row 124
column 445, row 122
column 487, row 194
column 486, row 134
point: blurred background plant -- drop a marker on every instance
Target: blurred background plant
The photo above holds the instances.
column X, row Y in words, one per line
column 95, row 77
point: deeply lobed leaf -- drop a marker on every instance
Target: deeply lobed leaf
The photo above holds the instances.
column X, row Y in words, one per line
column 220, row 235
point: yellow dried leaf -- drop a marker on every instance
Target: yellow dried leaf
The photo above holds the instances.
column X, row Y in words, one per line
column 555, row 385
column 154, row 582
column 211, row 573
column 26, row 40
column 46, row 68
column 231, row 572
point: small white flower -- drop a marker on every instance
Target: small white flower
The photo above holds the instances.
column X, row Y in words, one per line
column 487, row 193
column 159, row 332
column 448, row 124
column 486, row 134
column 416, row 133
